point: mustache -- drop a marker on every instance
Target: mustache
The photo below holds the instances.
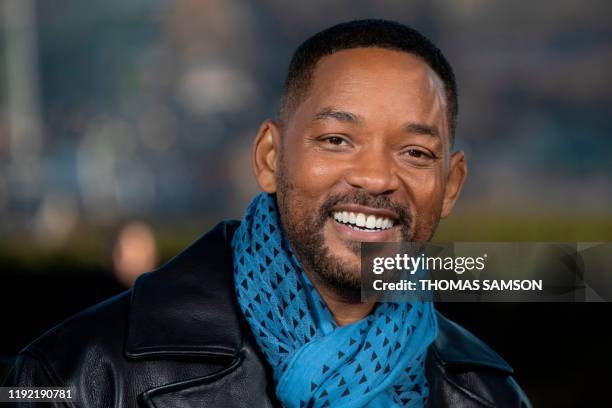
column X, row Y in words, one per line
column 361, row 197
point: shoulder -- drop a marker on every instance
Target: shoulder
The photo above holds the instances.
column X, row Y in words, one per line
column 461, row 367
column 103, row 340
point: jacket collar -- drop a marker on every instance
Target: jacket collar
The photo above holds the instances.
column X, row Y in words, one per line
column 188, row 307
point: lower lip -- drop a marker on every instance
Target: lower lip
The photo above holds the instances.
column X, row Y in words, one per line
column 353, row 234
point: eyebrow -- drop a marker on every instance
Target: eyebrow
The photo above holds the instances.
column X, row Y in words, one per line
column 342, row 116
column 348, row 117
column 422, row 129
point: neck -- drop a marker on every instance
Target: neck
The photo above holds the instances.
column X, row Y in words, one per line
column 345, row 309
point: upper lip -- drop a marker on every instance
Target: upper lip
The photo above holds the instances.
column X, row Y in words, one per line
column 356, row 208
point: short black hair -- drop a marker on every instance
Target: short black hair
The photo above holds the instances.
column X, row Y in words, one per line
column 365, row 33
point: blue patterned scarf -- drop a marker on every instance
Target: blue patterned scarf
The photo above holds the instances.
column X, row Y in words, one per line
column 378, row 361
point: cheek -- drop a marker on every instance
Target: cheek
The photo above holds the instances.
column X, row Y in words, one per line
column 313, row 174
column 426, row 189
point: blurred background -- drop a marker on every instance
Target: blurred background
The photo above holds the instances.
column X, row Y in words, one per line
column 126, row 129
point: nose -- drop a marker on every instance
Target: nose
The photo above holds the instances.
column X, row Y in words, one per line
column 373, row 171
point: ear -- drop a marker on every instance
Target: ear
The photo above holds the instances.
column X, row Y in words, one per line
column 456, row 177
column 266, row 149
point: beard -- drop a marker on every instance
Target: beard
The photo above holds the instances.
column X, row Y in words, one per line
column 304, row 230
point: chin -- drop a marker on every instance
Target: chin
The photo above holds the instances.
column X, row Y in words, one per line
column 342, row 271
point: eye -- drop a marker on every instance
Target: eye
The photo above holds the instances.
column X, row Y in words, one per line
column 416, row 153
column 419, row 157
column 335, row 140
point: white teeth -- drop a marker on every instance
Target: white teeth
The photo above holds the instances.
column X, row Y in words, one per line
column 371, row 222
column 362, row 220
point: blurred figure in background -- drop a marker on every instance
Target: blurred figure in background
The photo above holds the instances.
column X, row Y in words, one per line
column 134, row 253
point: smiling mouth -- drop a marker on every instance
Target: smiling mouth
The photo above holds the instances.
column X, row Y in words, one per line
column 363, row 222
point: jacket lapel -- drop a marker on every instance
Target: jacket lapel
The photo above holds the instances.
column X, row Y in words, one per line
column 187, row 309
column 237, row 386
column 182, row 308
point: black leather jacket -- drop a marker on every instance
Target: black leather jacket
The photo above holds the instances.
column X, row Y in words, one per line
column 178, row 339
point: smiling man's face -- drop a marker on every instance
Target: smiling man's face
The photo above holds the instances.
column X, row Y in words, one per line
column 365, row 157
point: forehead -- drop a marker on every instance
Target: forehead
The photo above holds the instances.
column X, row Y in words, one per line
column 378, row 84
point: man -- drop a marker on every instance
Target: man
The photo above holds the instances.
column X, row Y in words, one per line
column 267, row 312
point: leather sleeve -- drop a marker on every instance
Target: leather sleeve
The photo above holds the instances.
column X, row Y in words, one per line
column 29, row 371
